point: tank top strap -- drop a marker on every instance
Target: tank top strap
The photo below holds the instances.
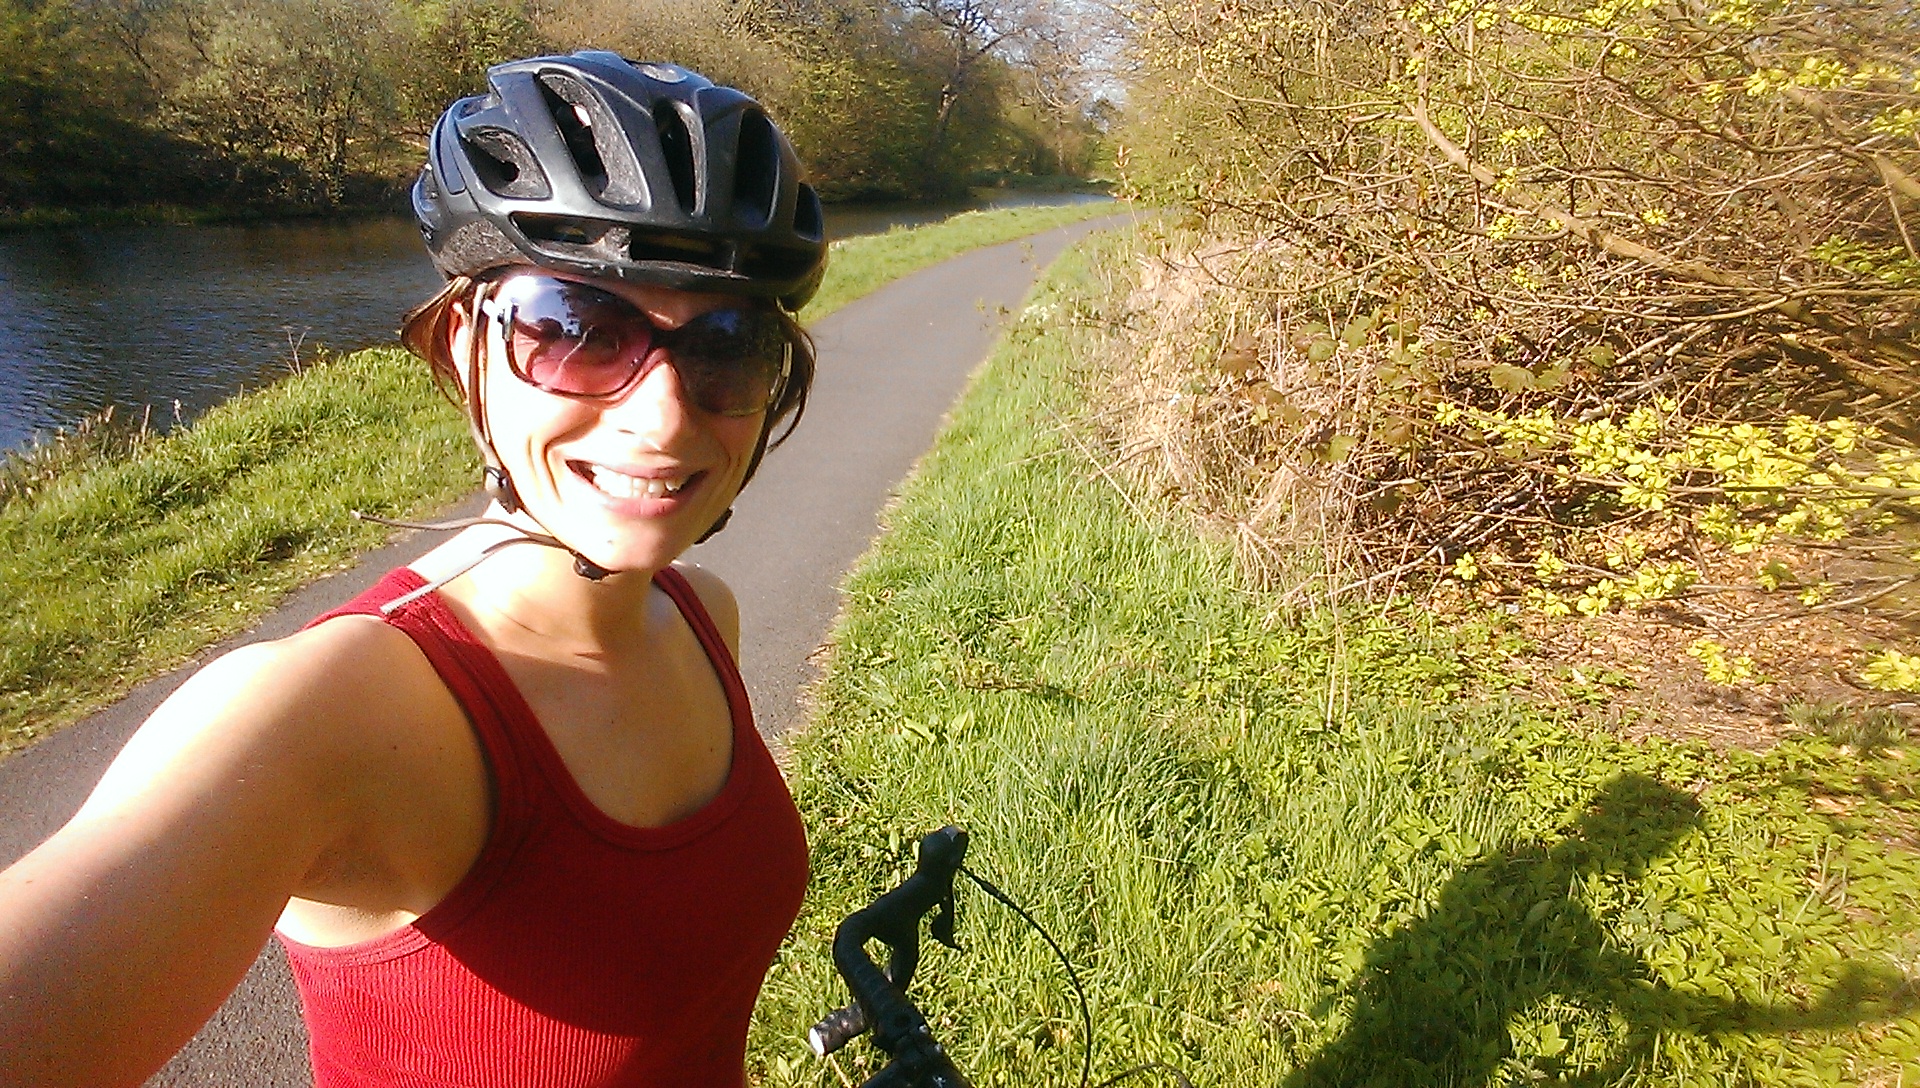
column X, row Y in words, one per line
column 516, row 748
column 675, row 585
column 477, row 681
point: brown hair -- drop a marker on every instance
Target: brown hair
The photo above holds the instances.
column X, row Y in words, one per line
column 428, row 328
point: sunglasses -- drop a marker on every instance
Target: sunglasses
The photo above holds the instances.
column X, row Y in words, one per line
column 576, row 340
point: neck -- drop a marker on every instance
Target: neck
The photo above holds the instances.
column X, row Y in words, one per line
column 535, row 587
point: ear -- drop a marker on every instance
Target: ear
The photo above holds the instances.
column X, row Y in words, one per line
column 459, row 318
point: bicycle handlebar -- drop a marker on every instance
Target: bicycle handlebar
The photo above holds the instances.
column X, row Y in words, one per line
column 879, row 998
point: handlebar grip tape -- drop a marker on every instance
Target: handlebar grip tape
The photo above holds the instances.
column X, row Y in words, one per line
column 837, row 1029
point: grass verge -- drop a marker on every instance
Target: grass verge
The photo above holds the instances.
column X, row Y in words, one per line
column 1298, row 851
column 859, row 265
column 122, row 558
column 121, row 566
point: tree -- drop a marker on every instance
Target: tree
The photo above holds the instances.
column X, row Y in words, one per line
column 451, row 45
column 68, row 132
column 966, row 44
column 311, row 103
column 292, row 94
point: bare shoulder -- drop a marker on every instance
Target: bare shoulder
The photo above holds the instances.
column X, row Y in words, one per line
column 312, row 710
column 134, row 920
column 717, row 598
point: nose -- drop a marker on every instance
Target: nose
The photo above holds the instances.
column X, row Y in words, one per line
column 656, row 403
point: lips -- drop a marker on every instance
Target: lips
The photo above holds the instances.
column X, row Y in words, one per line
column 626, row 486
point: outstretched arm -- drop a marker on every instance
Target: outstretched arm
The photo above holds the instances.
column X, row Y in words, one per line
column 123, row 932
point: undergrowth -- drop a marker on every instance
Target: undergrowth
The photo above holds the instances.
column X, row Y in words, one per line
column 1303, row 848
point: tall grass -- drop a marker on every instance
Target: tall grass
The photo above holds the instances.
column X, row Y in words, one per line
column 104, row 436
column 1341, row 850
column 123, row 554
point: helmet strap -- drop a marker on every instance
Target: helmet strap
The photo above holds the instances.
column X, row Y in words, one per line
column 716, row 526
column 498, row 484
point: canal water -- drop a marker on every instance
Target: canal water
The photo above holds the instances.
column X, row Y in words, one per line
column 163, row 322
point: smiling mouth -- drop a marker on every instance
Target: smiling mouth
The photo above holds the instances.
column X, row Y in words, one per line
column 619, row 485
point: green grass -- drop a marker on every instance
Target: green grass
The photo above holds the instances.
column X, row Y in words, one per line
column 122, row 557
column 859, row 265
column 1298, row 851
column 121, row 567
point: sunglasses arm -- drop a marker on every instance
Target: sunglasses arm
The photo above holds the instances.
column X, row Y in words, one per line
column 486, row 311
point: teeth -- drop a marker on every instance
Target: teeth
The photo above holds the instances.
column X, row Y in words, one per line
column 622, row 486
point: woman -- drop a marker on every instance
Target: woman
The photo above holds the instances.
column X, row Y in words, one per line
column 507, row 811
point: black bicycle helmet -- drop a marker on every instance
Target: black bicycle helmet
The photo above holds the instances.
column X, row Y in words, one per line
column 601, row 166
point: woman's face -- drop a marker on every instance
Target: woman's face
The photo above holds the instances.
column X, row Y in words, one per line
column 630, row 480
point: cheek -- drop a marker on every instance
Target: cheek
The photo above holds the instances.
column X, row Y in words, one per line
column 740, row 436
column 519, row 419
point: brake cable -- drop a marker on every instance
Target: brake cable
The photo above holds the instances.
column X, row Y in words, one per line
column 880, row 998
column 1079, row 992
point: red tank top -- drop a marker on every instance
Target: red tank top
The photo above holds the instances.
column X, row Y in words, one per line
column 577, row 951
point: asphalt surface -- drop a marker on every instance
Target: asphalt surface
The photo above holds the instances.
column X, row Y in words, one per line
column 890, row 366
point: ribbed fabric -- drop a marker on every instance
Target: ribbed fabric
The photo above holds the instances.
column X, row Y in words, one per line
column 578, row 951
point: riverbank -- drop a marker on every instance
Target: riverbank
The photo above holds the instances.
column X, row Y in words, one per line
column 224, row 307
column 982, row 189
column 125, row 561
column 181, row 215
column 1303, row 849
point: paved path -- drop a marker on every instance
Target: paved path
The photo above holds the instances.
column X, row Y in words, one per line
column 890, row 365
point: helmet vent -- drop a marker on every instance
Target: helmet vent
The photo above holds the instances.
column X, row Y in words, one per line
column 505, row 165
column 565, row 102
column 678, row 249
column 554, row 228
column 676, row 144
column 756, row 176
column 808, row 220
column 774, row 262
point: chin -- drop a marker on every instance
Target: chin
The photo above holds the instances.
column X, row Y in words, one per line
column 632, row 533
column 635, row 551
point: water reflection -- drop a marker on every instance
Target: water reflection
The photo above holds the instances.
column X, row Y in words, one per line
column 140, row 317
column 147, row 318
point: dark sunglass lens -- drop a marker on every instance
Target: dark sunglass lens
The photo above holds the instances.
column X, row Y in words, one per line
column 730, row 360
column 571, row 338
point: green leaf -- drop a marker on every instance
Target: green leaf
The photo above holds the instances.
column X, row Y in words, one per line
column 1357, row 331
column 1509, row 378
column 1551, row 1041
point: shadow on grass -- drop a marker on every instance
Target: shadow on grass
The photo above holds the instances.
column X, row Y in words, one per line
column 1435, row 1002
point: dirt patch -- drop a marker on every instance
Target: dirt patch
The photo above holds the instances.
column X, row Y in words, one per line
column 1644, row 672
column 1636, row 671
